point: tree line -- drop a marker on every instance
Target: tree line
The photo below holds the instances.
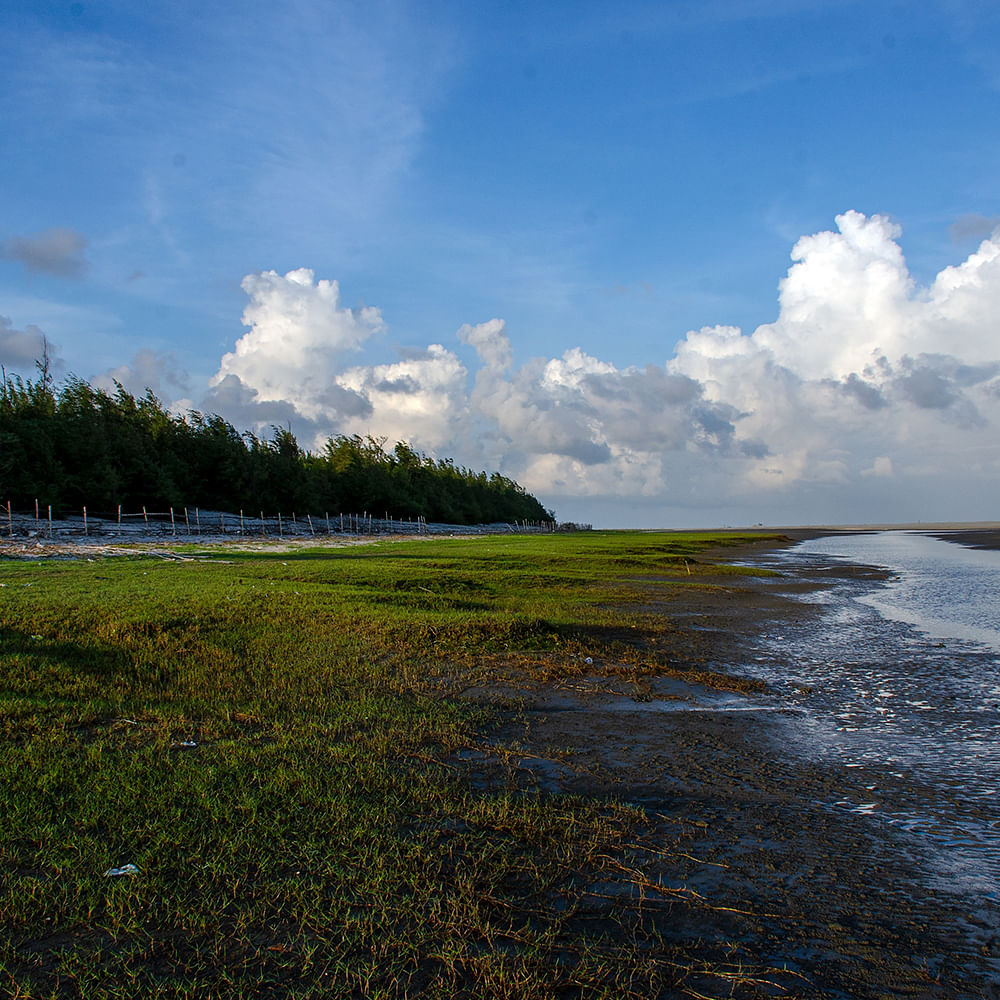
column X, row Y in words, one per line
column 71, row 445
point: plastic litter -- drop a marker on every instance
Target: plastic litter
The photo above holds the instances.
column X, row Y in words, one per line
column 124, row 870
column 184, row 743
column 588, row 660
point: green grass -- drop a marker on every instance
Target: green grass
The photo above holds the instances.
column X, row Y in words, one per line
column 325, row 836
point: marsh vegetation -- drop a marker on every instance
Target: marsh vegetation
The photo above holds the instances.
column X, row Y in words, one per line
column 277, row 743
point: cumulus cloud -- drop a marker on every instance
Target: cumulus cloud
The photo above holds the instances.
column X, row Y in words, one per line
column 862, row 370
column 299, row 333
column 58, row 251
column 422, row 398
column 864, row 380
column 491, row 343
column 243, row 407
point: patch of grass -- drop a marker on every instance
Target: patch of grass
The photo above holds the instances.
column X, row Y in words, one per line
column 266, row 740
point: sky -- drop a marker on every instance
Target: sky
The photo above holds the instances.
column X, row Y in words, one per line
column 672, row 264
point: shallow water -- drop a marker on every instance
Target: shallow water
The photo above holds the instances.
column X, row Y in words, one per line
column 901, row 677
column 945, row 590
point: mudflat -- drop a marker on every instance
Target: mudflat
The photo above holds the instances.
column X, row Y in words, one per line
column 747, row 848
column 511, row 766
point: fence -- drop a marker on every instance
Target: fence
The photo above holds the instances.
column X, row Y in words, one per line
column 197, row 522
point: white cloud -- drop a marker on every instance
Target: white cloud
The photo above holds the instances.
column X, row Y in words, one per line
column 864, row 381
column 491, row 343
column 846, row 299
column 421, row 399
column 862, row 367
column 882, row 466
column 298, row 334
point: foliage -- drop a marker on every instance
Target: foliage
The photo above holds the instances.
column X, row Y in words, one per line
column 76, row 445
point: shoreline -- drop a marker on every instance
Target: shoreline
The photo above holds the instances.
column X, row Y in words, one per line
column 616, row 817
column 763, row 864
column 633, row 821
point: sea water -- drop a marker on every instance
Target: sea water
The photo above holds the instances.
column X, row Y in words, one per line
column 898, row 673
column 945, row 590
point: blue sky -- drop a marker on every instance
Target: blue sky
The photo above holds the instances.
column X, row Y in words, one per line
column 602, row 178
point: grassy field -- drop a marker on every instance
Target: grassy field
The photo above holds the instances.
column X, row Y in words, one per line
column 275, row 741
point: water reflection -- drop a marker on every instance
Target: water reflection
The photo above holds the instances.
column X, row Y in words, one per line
column 901, row 676
column 945, row 590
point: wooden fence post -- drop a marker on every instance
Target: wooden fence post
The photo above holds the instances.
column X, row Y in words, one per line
column 187, row 521
column 310, row 520
column 263, row 527
column 241, row 520
column 173, row 526
column 85, row 531
column 281, row 532
column 197, row 521
column 10, row 521
column 50, row 520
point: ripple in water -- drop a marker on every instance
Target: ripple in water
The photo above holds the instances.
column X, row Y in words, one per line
column 902, row 677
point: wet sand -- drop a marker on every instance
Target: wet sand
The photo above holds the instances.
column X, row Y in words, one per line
column 764, row 869
column 976, row 539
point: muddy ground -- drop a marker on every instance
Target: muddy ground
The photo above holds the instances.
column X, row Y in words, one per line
column 746, row 857
column 759, row 863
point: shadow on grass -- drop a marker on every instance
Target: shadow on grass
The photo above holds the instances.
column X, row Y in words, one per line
column 96, row 661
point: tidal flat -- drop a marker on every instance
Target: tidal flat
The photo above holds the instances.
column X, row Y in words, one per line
column 500, row 766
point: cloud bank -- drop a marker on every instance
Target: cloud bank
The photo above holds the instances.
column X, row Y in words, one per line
column 870, row 397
